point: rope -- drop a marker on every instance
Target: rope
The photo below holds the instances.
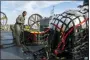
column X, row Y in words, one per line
column 65, row 35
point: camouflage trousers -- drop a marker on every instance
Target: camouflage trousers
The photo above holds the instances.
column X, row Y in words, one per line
column 18, row 30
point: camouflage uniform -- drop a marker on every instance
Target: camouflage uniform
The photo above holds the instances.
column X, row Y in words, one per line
column 19, row 28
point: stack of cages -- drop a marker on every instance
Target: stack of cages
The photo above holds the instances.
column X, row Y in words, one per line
column 71, row 27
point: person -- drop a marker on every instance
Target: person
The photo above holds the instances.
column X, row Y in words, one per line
column 19, row 27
